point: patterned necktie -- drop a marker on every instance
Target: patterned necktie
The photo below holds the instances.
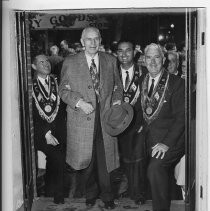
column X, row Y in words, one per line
column 95, row 76
column 151, row 88
column 46, row 85
column 127, row 80
column 46, row 82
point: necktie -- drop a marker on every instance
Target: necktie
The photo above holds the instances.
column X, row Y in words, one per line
column 46, row 82
column 95, row 76
column 127, row 80
column 46, row 85
column 151, row 88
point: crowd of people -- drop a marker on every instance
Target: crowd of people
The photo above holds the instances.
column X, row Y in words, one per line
column 98, row 109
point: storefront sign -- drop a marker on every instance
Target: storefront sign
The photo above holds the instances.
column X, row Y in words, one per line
column 73, row 21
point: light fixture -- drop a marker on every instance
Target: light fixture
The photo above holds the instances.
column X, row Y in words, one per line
column 172, row 25
column 160, row 37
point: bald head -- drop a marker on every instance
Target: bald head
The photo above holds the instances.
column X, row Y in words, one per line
column 54, row 50
column 91, row 40
column 90, row 29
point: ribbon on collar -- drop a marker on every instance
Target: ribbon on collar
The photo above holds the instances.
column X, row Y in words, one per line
column 132, row 93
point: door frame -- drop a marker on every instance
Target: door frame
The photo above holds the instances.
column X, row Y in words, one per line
column 201, row 132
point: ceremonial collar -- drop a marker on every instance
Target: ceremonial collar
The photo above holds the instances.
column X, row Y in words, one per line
column 47, row 106
column 152, row 106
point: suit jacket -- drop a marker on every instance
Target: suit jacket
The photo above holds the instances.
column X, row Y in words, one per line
column 131, row 143
column 169, row 125
column 42, row 126
column 76, row 83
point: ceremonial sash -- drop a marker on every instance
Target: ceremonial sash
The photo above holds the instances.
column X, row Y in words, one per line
column 47, row 103
column 132, row 93
column 152, row 106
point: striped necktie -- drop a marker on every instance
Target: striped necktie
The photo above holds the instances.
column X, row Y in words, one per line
column 127, row 80
column 151, row 88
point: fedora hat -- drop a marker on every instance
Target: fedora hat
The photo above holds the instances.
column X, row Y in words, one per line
column 117, row 118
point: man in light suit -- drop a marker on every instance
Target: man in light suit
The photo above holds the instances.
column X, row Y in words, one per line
column 162, row 104
column 90, row 85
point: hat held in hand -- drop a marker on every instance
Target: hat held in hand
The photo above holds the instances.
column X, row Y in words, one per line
column 118, row 118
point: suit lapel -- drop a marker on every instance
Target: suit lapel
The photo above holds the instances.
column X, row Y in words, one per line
column 83, row 67
column 102, row 68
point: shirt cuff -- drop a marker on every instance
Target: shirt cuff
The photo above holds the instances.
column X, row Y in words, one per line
column 77, row 104
column 48, row 133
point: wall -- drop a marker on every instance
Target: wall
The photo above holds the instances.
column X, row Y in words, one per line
column 12, row 171
column 15, row 131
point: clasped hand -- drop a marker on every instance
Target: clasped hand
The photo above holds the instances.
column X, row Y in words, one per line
column 159, row 149
column 86, row 107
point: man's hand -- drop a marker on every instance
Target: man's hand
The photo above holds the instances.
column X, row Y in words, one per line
column 159, row 149
column 118, row 102
column 50, row 139
column 86, row 107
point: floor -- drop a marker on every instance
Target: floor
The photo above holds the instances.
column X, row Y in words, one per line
column 46, row 204
column 78, row 203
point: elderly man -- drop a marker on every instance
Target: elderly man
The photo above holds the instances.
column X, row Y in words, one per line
column 131, row 143
column 173, row 63
column 90, row 85
column 49, row 124
column 162, row 103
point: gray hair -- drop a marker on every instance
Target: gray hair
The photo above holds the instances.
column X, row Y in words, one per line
column 155, row 46
column 90, row 29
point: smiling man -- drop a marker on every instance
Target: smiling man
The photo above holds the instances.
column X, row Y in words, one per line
column 163, row 106
column 130, row 141
column 90, row 85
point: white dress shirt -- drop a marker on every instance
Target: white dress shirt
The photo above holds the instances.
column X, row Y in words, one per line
column 96, row 60
column 155, row 82
column 124, row 74
column 42, row 80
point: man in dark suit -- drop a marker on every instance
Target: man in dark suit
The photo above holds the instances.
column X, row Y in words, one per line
column 162, row 104
column 131, row 143
column 49, row 124
column 90, row 85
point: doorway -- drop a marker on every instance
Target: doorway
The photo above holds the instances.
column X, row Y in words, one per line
column 143, row 26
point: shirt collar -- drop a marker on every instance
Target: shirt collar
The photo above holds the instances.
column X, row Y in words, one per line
column 42, row 80
column 89, row 59
column 129, row 69
column 157, row 77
